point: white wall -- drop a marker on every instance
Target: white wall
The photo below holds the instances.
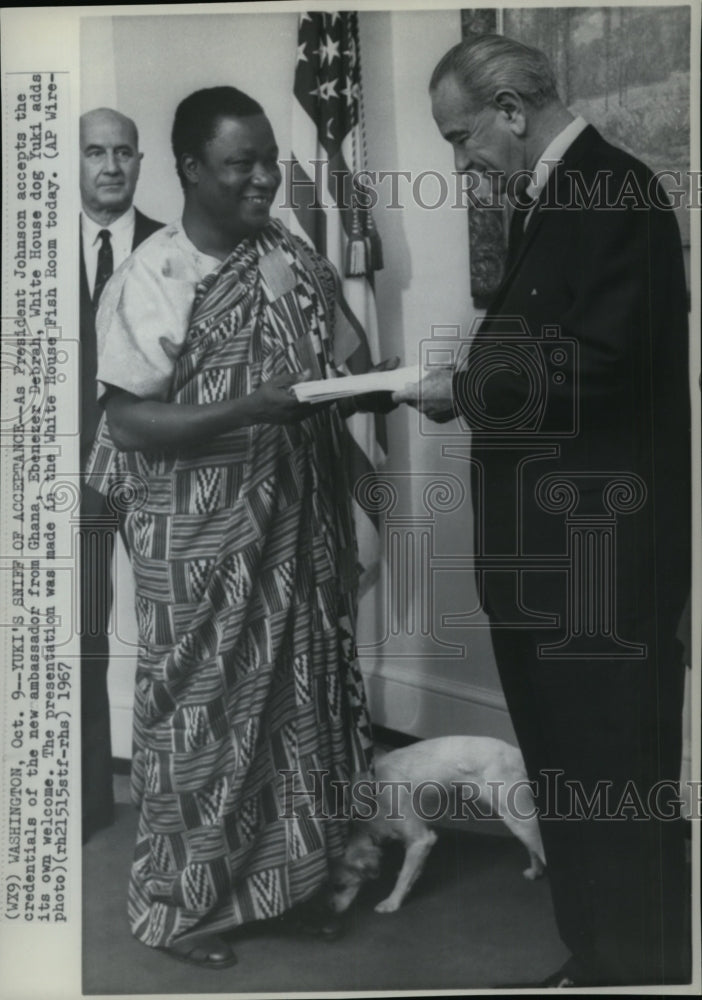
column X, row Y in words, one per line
column 413, row 684
column 425, row 689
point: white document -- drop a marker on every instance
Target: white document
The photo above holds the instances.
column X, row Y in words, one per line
column 320, row 390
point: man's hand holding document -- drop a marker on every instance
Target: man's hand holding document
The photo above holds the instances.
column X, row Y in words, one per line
column 431, row 393
column 384, row 387
column 379, row 379
column 371, row 392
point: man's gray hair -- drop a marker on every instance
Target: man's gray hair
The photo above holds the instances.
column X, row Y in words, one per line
column 485, row 64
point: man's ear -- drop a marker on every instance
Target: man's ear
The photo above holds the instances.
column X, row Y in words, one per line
column 189, row 165
column 511, row 105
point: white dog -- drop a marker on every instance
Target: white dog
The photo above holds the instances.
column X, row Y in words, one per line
column 451, row 776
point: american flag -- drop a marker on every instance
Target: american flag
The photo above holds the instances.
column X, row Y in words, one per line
column 329, row 151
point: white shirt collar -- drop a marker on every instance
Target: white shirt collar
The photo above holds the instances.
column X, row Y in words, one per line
column 119, row 227
column 204, row 261
column 552, row 156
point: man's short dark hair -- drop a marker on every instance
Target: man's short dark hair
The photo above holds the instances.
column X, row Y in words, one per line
column 197, row 117
column 484, row 64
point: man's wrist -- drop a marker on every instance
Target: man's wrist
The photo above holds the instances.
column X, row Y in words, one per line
column 243, row 412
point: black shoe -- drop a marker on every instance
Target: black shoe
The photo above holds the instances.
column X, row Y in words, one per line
column 560, row 980
column 207, row 953
column 567, row 977
column 570, row 976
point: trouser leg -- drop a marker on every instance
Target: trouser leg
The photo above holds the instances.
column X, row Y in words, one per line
column 618, row 884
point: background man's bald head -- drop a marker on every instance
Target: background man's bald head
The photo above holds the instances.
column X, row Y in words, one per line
column 98, row 116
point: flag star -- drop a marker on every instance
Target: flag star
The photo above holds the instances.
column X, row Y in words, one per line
column 331, row 50
column 327, row 90
column 301, row 57
column 350, row 91
column 334, row 18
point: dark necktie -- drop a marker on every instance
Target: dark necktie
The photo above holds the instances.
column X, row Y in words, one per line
column 104, row 265
column 517, row 225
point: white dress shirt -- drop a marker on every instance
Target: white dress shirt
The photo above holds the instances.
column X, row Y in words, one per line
column 121, row 238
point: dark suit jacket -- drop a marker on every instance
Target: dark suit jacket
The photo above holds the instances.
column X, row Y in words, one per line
column 610, row 278
column 90, row 411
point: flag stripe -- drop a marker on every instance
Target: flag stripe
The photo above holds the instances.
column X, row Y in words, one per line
column 313, row 223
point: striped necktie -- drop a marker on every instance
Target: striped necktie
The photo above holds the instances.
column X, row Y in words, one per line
column 105, row 265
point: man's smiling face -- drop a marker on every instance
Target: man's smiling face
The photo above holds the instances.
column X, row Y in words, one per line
column 483, row 139
column 236, row 177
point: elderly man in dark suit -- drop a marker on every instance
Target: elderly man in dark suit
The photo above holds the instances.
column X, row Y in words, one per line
column 110, row 228
column 576, row 390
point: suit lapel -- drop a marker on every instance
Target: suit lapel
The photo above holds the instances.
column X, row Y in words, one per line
column 139, row 227
column 530, row 231
column 549, row 196
column 83, row 274
column 143, row 228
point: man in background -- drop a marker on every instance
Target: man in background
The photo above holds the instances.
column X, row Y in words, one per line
column 576, row 390
column 110, row 228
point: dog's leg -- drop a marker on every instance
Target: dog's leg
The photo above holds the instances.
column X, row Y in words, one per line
column 527, row 830
column 523, row 824
column 535, row 869
column 415, row 857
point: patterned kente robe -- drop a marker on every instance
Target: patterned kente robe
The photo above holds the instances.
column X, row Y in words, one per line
column 244, row 561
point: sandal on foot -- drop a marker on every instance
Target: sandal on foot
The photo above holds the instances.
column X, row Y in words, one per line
column 207, row 953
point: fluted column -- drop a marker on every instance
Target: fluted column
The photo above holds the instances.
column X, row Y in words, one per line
column 591, row 611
